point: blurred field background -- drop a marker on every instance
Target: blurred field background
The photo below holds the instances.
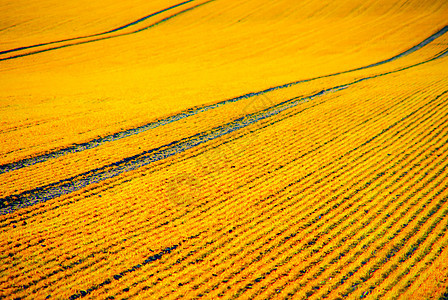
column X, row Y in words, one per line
column 223, row 149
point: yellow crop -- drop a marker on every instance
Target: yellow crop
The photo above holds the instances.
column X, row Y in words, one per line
column 224, row 149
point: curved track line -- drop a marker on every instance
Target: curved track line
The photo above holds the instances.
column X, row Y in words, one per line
column 112, row 36
column 97, row 34
column 78, row 182
column 190, row 112
column 150, row 259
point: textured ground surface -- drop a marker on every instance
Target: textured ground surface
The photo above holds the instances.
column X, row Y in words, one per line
column 223, row 149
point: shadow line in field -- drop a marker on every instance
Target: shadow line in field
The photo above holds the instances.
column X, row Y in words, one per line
column 193, row 111
column 42, row 194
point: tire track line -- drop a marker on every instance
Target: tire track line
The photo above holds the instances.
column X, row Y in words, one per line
column 75, row 148
column 12, row 203
column 97, row 34
column 100, row 37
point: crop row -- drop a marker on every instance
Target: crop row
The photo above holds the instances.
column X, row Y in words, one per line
column 330, row 154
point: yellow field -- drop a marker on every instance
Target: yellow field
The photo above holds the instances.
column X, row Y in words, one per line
column 224, row 149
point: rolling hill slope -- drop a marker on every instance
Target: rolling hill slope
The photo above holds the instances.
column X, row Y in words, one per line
column 221, row 149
